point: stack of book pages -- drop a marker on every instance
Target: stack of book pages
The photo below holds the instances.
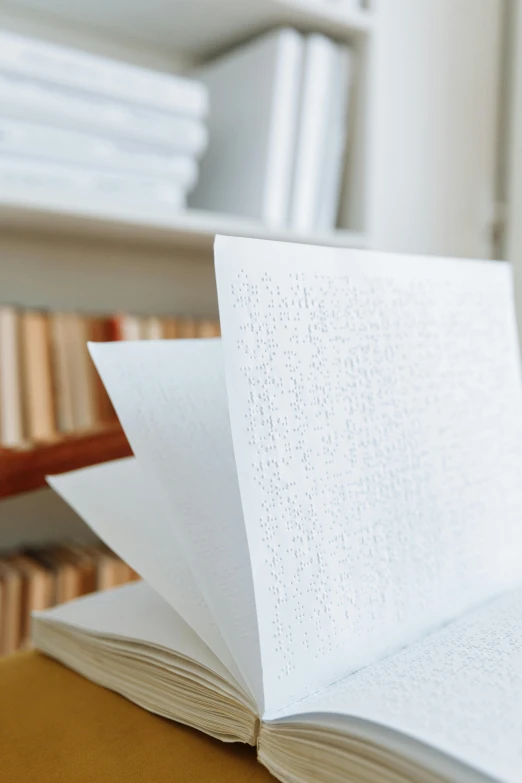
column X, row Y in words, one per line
column 48, row 383
column 325, row 507
column 88, row 131
column 42, row 577
column 279, row 125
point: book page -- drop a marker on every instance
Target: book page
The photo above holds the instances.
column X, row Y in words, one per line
column 170, row 397
column 458, row 690
column 136, row 612
column 118, row 504
column 376, row 413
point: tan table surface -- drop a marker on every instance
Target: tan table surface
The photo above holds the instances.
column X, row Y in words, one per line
column 57, row 727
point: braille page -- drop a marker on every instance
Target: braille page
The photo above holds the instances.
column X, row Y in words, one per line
column 118, row 504
column 376, row 413
column 170, row 396
column 458, row 690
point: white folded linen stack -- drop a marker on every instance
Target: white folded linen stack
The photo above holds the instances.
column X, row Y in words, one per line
column 93, row 131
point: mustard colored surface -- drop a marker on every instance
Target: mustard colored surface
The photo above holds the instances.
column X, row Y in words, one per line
column 57, row 727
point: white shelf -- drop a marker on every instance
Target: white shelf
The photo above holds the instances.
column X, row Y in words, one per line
column 190, row 229
column 194, row 29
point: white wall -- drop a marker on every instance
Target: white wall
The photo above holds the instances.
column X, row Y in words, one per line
column 435, row 123
column 514, row 167
column 60, row 272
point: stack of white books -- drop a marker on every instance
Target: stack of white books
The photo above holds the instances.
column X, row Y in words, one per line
column 82, row 129
column 279, row 111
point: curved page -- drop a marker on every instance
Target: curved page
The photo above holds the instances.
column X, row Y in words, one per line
column 118, row 504
column 376, row 412
column 136, row 612
column 458, row 691
column 171, row 399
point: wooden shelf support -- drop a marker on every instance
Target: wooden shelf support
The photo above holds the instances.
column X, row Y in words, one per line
column 25, row 470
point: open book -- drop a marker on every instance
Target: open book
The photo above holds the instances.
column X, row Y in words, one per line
column 326, row 510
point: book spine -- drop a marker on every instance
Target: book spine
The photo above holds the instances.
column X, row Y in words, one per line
column 28, row 99
column 11, row 415
column 283, row 130
column 319, row 73
column 59, row 334
column 335, row 158
column 37, row 376
column 48, row 62
column 22, row 179
column 68, row 146
column 100, row 331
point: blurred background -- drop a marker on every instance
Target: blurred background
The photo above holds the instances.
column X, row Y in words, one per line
column 132, row 132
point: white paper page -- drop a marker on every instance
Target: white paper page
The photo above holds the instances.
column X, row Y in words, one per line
column 458, row 690
column 135, row 611
column 118, row 504
column 377, row 422
column 170, row 396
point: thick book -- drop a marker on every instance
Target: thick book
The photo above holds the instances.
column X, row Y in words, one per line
column 254, row 104
column 49, row 62
column 324, row 506
column 322, row 133
column 37, row 140
column 30, row 99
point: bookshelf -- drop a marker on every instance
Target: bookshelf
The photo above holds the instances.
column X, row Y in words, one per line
column 175, row 37
column 200, row 28
column 24, row 470
column 190, row 229
column 67, row 255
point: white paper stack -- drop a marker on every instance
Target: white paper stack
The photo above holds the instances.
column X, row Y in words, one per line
column 87, row 129
column 278, row 131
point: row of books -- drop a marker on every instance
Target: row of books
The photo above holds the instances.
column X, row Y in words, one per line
column 96, row 130
column 48, row 383
column 278, row 121
column 39, row 578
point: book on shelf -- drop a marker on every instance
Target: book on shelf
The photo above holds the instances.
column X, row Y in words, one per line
column 26, row 98
column 278, row 121
column 324, row 507
column 73, row 68
column 11, row 405
column 254, row 104
column 322, row 135
column 48, row 382
column 37, row 578
column 33, row 140
column 39, row 411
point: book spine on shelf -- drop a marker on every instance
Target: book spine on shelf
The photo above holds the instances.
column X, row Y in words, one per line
column 73, row 68
column 29, row 99
column 31, row 139
column 23, row 179
column 63, row 382
column 335, row 150
column 283, row 131
column 318, row 79
column 99, row 330
column 37, row 376
column 11, row 411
